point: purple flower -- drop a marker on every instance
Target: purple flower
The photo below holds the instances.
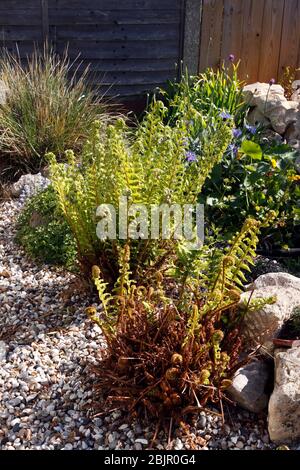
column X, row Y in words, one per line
column 225, row 115
column 191, row 156
column 272, row 81
column 233, row 148
column 231, row 58
column 251, row 129
column 237, row 133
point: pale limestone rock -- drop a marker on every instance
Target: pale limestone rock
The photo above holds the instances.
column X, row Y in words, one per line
column 257, row 93
column 284, row 405
column 256, row 117
column 296, row 84
column 296, row 96
column 293, row 132
column 262, row 326
column 282, row 114
column 275, row 280
column 249, row 386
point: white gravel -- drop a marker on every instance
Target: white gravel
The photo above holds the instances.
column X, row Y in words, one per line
column 45, row 382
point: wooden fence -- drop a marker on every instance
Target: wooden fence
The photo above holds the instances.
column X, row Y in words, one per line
column 133, row 45
column 264, row 34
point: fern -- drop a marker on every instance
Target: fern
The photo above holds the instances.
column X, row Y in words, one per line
column 148, row 166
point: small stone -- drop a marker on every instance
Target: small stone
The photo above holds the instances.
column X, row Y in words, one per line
column 68, row 447
column 142, row 441
column 3, row 351
column 201, row 424
column 178, row 445
column 240, row 445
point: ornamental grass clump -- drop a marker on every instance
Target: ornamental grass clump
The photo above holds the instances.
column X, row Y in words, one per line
column 48, row 107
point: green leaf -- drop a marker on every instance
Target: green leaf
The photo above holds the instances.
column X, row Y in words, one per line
column 252, row 150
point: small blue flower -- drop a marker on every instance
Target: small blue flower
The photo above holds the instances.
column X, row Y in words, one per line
column 225, row 115
column 251, row 129
column 231, row 57
column 237, row 133
column 191, row 156
column 233, row 148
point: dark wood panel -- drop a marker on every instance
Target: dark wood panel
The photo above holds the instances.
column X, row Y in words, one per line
column 121, row 50
column 119, row 4
column 20, row 33
column 131, row 78
column 132, row 90
column 75, row 17
column 127, row 65
column 116, row 32
column 23, row 4
column 20, row 16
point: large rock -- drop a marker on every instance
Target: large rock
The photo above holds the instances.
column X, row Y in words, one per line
column 282, row 114
column 256, row 94
column 260, row 327
column 249, row 387
column 275, row 280
column 284, row 405
column 29, row 185
column 256, row 117
column 270, row 105
column 293, row 132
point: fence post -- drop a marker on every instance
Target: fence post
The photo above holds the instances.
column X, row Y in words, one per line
column 192, row 31
column 45, row 20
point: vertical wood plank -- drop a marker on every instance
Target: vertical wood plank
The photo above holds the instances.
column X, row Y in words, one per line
column 211, row 33
column 253, row 12
column 45, row 20
column 290, row 42
column 271, row 40
column 232, row 29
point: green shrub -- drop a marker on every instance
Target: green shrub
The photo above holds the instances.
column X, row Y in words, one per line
column 253, row 177
column 148, row 166
column 251, row 180
column 210, row 93
column 43, row 232
column 47, row 108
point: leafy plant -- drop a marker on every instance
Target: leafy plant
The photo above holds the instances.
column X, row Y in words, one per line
column 168, row 355
column 251, row 180
column 48, row 108
column 286, row 81
column 43, row 232
column 147, row 166
column 212, row 93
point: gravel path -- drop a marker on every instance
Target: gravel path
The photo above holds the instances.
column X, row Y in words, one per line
column 47, row 346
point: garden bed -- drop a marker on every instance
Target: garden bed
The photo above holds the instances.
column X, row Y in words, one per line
column 45, row 379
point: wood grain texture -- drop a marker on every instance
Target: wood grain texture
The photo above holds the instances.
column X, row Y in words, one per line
column 253, row 12
column 271, row 40
column 232, row 34
column 211, row 33
column 290, row 41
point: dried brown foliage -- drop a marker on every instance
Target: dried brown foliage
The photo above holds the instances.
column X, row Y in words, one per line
column 155, row 367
